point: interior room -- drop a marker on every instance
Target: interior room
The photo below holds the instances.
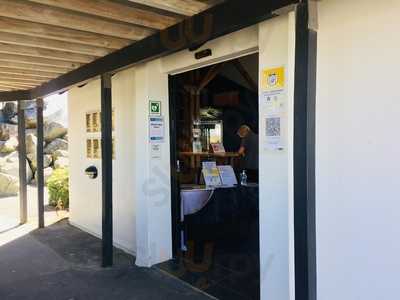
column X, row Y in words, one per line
column 214, row 143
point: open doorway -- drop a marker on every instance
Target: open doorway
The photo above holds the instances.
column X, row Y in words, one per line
column 214, row 154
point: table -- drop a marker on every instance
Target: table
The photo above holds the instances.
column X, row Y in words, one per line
column 203, row 210
column 196, row 157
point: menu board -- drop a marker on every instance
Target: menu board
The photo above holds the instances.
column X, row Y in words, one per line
column 210, row 173
column 227, row 174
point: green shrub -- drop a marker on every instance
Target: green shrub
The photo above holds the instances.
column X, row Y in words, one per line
column 58, row 187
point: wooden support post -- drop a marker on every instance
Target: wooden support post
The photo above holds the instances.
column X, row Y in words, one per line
column 106, row 163
column 23, row 206
column 39, row 159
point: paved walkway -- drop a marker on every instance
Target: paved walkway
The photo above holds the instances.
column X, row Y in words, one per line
column 9, row 208
column 62, row 262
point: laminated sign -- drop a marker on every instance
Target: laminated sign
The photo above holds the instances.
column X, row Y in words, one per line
column 273, row 89
column 273, row 80
column 155, row 108
column 156, row 130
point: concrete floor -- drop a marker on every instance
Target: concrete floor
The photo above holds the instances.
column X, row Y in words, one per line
column 63, row 262
column 9, row 208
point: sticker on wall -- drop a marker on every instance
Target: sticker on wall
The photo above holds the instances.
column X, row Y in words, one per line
column 155, row 108
column 273, row 80
column 155, row 151
column 273, row 132
column 273, row 89
column 156, row 129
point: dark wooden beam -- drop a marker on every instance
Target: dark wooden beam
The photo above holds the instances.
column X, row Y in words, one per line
column 217, row 21
column 211, row 74
column 304, row 156
column 238, row 65
column 39, row 159
column 106, row 170
column 15, row 95
column 23, row 206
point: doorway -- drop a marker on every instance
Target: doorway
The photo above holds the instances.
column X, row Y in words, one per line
column 214, row 159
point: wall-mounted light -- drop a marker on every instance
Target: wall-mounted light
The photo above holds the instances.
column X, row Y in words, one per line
column 203, row 54
column 91, row 172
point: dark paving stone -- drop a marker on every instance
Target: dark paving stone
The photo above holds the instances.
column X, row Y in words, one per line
column 25, row 258
column 61, row 262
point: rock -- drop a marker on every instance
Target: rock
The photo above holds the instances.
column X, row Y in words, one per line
column 31, row 131
column 53, row 130
column 7, row 130
column 9, row 146
column 13, row 120
column 57, row 144
column 31, row 144
column 60, row 153
column 47, row 160
column 30, row 114
column 11, row 157
column 30, row 117
column 61, row 162
column 11, row 167
column 9, row 185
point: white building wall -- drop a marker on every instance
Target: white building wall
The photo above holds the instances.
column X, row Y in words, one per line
column 85, row 193
column 142, row 195
column 358, row 149
column 276, row 44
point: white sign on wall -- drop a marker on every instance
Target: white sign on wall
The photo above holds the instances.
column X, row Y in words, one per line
column 156, row 129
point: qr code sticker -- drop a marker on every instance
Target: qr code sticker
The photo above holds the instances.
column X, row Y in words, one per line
column 273, row 127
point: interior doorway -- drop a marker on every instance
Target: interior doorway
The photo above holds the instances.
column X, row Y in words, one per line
column 214, row 159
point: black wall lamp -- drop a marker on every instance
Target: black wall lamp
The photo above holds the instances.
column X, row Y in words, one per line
column 91, row 172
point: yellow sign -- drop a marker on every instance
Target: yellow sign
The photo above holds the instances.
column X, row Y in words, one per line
column 273, row 79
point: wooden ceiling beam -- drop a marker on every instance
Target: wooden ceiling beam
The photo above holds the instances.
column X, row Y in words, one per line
column 115, row 11
column 5, row 89
column 33, row 67
column 38, row 61
column 61, row 34
column 33, row 12
column 24, row 40
column 24, row 78
column 17, row 85
column 45, row 53
column 182, row 7
column 38, row 74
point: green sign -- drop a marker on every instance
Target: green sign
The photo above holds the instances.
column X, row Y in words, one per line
column 155, row 108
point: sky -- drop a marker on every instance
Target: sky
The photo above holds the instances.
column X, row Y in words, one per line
column 57, row 107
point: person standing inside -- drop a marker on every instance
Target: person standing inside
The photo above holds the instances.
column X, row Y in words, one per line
column 249, row 152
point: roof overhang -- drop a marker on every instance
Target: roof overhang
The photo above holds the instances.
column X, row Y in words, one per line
column 212, row 23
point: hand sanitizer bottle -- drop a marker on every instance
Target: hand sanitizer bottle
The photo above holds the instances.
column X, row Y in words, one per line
column 243, row 178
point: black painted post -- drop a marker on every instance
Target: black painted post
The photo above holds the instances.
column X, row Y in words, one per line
column 106, row 163
column 304, row 156
column 23, row 205
column 39, row 159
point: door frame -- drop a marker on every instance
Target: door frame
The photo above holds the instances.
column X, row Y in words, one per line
column 304, row 144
